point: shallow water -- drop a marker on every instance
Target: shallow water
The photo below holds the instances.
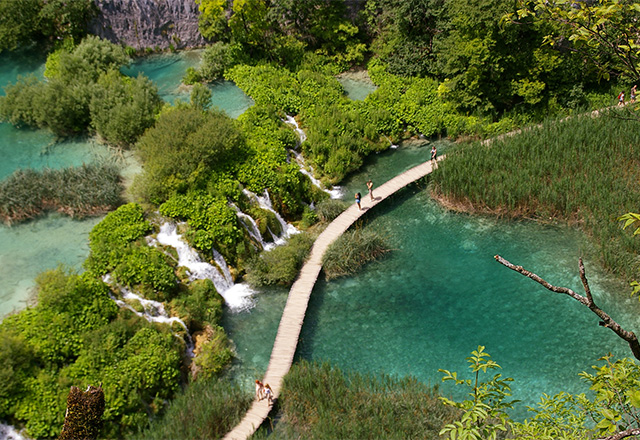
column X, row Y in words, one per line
column 28, row 249
column 356, row 89
column 439, row 294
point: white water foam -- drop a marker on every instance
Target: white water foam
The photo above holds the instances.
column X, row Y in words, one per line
column 264, row 202
column 236, row 296
column 8, row 432
column 252, row 227
column 336, row 192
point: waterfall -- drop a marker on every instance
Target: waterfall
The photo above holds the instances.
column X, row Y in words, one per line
column 301, row 134
column 334, row 193
column 8, row 432
column 252, row 227
column 236, row 296
column 153, row 312
column 391, row 144
column 265, row 203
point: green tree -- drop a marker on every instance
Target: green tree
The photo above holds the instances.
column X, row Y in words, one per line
column 201, row 97
column 18, row 22
column 183, row 149
column 122, row 108
column 604, row 32
column 404, row 32
column 212, row 21
column 484, row 413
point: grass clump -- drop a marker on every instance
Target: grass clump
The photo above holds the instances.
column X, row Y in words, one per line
column 76, row 191
column 583, row 171
column 321, row 402
column 206, row 409
column 281, row 264
column 352, row 250
column 329, row 209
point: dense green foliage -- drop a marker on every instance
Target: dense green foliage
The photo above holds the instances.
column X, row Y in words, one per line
column 352, row 250
column 322, row 402
column 206, row 409
column 84, row 88
column 75, row 335
column 27, row 21
column 76, row 191
column 576, row 170
column 281, row 264
column 609, row 409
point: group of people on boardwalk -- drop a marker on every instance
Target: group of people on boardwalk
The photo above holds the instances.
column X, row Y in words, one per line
column 632, row 97
column 264, row 391
column 359, row 196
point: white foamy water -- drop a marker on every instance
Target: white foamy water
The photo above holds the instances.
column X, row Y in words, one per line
column 236, row 296
column 153, row 311
column 336, row 192
column 8, row 432
column 264, row 202
column 252, row 228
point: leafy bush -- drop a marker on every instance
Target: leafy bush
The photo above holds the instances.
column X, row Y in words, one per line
column 109, row 239
column 213, row 353
column 281, row 264
column 148, row 270
column 183, row 149
column 199, row 306
column 351, row 251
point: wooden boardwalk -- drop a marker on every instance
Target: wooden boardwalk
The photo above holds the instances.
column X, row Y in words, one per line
column 284, row 347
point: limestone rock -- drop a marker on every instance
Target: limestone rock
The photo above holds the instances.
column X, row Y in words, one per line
column 155, row 24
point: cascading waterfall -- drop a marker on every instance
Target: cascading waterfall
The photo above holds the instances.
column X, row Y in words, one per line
column 265, row 203
column 153, row 312
column 236, row 296
column 334, row 193
column 8, row 432
column 252, row 228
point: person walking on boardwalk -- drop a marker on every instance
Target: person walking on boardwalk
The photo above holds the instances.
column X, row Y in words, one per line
column 632, row 98
column 268, row 394
column 259, row 390
column 358, row 197
column 434, row 154
column 370, row 187
column 621, row 98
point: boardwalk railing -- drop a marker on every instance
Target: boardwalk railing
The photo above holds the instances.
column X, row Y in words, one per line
column 284, row 347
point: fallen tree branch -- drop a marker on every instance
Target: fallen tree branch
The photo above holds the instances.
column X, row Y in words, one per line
column 606, row 320
column 623, row 434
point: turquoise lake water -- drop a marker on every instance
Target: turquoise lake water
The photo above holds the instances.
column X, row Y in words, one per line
column 440, row 294
column 431, row 301
column 31, row 248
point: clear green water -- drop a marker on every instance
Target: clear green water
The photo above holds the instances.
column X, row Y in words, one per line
column 356, row 89
column 440, row 294
column 167, row 71
column 29, row 249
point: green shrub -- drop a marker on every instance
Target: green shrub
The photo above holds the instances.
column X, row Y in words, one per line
column 213, row 353
column 109, row 239
column 199, row 306
column 329, row 209
column 281, row 264
column 147, row 269
column 351, row 251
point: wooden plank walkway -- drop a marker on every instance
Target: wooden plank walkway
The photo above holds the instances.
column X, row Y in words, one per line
column 284, row 347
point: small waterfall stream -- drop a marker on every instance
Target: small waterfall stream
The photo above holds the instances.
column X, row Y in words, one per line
column 252, row 228
column 264, row 202
column 236, row 296
column 334, row 193
column 153, row 312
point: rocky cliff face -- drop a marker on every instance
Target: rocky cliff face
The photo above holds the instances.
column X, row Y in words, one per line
column 155, row 24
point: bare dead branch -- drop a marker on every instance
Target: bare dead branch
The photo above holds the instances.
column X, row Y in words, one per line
column 606, row 320
column 623, row 434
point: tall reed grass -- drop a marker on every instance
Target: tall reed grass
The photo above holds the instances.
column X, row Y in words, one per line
column 321, row 402
column 206, row 409
column 352, row 250
column 76, row 191
column 584, row 170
